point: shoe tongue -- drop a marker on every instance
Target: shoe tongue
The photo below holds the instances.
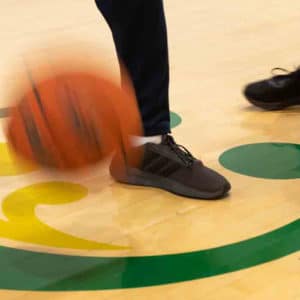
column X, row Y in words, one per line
column 180, row 151
column 166, row 139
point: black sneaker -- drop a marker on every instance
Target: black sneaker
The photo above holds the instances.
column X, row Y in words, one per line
column 277, row 92
column 173, row 168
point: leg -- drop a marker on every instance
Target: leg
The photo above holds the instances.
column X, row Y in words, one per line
column 139, row 32
column 140, row 36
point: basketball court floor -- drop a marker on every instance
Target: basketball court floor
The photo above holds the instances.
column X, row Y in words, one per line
column 70, row 238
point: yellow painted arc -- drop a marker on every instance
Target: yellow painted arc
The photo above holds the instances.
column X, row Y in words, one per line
column 10, row 165
column 23, row 225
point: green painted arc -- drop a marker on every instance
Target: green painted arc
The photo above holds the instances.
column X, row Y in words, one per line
column 264, row 160
column 25, row 270
column 175, row 119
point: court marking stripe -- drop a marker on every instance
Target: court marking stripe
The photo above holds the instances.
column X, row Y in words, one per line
column 27, row 270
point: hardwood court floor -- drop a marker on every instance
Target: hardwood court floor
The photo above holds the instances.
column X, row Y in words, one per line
column 214, row 50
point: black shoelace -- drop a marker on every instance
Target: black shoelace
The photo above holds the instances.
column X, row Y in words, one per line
column 284, row 72
column 184, row 154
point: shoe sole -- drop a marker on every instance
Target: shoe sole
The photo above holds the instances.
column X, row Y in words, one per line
column 140, row 178
column 275, row 105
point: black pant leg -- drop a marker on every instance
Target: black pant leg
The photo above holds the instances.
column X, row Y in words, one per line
column 140, row 36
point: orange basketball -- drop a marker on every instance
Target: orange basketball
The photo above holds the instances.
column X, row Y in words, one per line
column 72, row 119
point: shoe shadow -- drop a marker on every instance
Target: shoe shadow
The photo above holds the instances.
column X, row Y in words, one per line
column 292, row 109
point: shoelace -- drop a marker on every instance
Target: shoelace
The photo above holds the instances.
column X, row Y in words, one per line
column 184, row 154
column 285, row 72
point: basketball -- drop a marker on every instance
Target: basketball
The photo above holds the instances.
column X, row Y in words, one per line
column 71, row 120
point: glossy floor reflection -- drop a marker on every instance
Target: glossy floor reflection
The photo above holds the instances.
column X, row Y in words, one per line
column 91, row 238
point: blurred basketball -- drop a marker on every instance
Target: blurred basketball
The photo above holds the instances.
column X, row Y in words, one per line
column 71, row 119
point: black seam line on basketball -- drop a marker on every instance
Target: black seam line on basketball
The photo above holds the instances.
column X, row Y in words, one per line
column 33, row 137
column 23, row 118
column 77, row 122
column 35, row 91
column 70, row 106
column 94, row 132
column 38, row 99
column 35, row 141
column 84, row 130
column 40, row 104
